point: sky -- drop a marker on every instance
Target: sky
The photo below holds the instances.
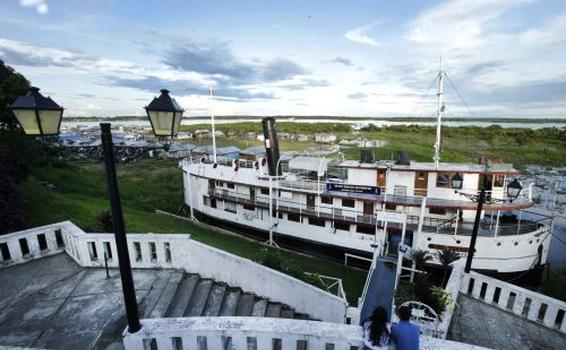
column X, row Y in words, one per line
column 348, row 58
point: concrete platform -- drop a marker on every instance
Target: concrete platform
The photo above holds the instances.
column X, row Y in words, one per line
column 478, row 323
column 53, row 303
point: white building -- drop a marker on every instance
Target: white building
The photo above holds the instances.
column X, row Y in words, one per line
column 324, row 137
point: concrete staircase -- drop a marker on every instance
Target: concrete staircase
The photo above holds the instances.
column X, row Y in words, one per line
column 189, row 295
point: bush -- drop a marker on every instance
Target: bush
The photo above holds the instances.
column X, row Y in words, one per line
column 105, row 220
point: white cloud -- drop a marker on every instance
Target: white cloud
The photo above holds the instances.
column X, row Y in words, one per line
column 359, row 35
column 40, row 5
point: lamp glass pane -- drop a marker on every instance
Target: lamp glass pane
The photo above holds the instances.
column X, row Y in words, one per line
column 178, row 117
column 50, row 121
column 28, row 121
column 162, row 122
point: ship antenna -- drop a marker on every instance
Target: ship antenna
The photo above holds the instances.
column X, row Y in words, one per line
column 210, row 100
column 439, row 115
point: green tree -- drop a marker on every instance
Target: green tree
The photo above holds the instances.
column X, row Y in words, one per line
column 446, row 257
column 12, row 85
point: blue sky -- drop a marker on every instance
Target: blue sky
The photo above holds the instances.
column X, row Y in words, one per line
column 351, row 58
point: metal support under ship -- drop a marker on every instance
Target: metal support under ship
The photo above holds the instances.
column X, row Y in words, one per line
column 359, row 206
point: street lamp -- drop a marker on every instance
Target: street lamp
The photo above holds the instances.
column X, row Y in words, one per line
column 513, row 190
column 165, row 115
column 456, row 181
column 37, row 115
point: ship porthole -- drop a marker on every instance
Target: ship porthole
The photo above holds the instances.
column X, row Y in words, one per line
column 516, row 243
column 538, row 240
column 499, row 244
column 458, row 241
column 531, row 241
column 429, row 239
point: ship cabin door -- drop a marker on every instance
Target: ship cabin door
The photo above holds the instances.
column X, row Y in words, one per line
column 310, row 201
column 368, row 208
column 421, row 183
column 252, row 193
column 381, row 178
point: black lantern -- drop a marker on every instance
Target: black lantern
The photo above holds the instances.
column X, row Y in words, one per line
column 165, row 115
column 514, row 189
column 456, row 181
column 37, row 114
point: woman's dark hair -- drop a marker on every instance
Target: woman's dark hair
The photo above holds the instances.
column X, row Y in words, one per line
column 378, row 326
column 404, row 313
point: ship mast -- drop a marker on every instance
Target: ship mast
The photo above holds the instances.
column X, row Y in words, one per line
column 210, row 98
column 439, row 115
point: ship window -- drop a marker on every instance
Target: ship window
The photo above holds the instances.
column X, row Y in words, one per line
column 326, row 199
column 264, row 190
column 230, row 207
column 249, row 207
column 498, row 180
column 390, row 206
column 442, row 180
column 231, row 185
column 342, row 226
column 437, row 211
column 317, row 222
column 294, row 217
column 367, row 229
column 348, row 203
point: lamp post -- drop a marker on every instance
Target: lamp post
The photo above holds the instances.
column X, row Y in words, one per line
column 36, row 114
column 128, row 288
column 513, row 191
column 164, row 115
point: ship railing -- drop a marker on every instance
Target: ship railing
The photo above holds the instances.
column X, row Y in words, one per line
column 331, row 284
column 521, row 222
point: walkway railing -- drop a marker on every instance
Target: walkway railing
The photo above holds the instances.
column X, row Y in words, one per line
column 256, row 333
column 522, row 302
column 177, row 251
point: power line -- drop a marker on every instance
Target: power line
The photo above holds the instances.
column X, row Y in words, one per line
column 413, row 111
column 459, row 94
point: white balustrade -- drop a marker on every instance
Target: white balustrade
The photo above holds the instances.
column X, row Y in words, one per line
column 522, row 302
column 256, row 333
column 177, row 251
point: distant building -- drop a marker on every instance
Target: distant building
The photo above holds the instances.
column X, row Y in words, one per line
column 260, row 137
column 201, row 134
column 219, row 133
column 184, row 135
column 253, row 153
column 251, row 135
column 230, row 152
column 323, row 137
column 302, row 138
column 180, row 150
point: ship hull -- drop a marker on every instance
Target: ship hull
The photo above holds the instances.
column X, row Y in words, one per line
column 527, row 277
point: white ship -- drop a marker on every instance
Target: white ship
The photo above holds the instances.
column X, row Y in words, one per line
column 356, row 207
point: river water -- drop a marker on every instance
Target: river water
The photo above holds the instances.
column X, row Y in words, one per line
column 189, row 121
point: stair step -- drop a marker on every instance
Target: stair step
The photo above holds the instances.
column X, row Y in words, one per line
column 182, row 296
column 166, row 298
column 230, row 303
column 259, row 308
column 273, row 310
column 245, row 304
column 287, row 312
column 199, row 297
column 215, row 299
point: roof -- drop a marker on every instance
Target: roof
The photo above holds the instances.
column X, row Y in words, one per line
column 309, row 163
column 256, row 150
column 181, row 147
column 219, row 150
column 429, row 166
column 33, row 99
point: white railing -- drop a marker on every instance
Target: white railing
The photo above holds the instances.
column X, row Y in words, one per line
column 22, row 246
column 453, row 288
column 256, row 333
column 522, row 302
column 331, row 284
column 177, row 251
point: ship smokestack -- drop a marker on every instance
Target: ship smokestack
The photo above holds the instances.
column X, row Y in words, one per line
column 271, row 145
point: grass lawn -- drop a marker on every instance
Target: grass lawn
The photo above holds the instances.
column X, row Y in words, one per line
column 81, row 194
